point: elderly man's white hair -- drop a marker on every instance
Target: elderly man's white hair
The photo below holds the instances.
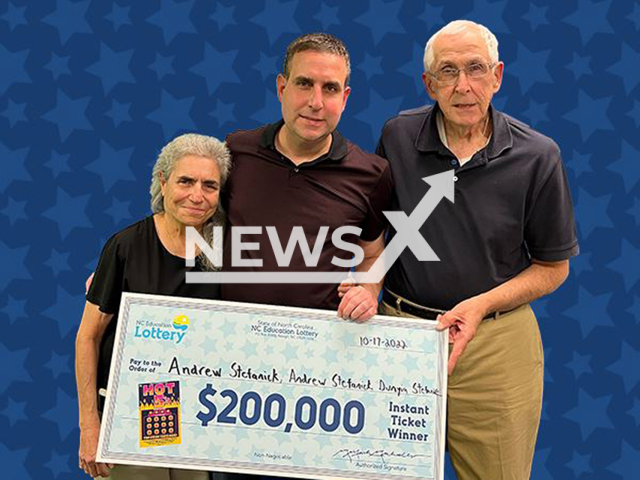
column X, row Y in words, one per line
column 458, row 26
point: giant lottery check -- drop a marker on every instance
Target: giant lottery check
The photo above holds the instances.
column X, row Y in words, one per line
column 283, row 391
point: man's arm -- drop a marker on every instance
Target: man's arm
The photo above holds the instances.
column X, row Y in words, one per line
column 539, row 279
column 92, row 328
column 360, row 302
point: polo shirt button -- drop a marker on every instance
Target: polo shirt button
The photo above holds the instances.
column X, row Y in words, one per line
column 296, row 170
column 454, row 162
column 455, row 179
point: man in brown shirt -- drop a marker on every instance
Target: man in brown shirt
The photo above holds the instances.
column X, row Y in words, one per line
column 300, row 172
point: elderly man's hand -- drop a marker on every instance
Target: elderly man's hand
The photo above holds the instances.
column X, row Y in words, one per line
column 87, row 453
column 462, row 322
column 358, row 302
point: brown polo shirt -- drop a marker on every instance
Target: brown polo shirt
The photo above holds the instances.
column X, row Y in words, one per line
column 345, row 187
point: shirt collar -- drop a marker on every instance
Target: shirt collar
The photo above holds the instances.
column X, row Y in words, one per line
column 429, row 140
column 337, row 151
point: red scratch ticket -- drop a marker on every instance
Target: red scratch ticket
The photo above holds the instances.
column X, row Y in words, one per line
column 159, row 407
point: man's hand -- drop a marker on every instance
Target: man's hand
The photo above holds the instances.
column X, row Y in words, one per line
column 462, row 322
column 358, row 302
column 87, row 453
column 538, row 279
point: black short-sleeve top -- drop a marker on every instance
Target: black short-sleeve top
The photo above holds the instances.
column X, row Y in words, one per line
column 134, row 260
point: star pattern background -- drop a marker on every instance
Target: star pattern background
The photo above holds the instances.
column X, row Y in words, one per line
column 92, row 90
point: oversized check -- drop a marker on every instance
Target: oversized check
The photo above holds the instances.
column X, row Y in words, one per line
column 294, row 392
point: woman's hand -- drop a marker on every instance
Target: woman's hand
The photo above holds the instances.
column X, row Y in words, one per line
column 87, row 453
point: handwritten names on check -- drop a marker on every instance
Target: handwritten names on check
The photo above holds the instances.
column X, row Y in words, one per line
column 242, row 371
column 406, row 415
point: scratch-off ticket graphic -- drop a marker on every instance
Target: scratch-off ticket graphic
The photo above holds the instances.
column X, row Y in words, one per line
column 159, row 405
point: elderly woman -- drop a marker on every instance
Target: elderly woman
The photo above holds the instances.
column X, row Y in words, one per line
column 148, row 257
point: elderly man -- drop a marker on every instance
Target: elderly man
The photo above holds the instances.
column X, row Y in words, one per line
column 504, row 243
column 300, row 172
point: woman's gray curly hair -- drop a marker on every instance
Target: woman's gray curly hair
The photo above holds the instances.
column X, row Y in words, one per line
column 179, row 147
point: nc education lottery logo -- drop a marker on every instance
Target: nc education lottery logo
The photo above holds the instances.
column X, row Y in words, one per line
column 181, row 322
column 152, row 330
column 407, row 236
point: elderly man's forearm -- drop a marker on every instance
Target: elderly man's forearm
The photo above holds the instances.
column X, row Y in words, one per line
column 536, row 281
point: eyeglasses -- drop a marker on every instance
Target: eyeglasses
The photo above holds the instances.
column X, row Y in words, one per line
column 450, row 75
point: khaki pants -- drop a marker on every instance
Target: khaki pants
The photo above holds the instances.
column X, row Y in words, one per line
column 134, row 472
column 494, row 398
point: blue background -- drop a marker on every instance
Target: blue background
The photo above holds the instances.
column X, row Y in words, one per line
column 91, row 90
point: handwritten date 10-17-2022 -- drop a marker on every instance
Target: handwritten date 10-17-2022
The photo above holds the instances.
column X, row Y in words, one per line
column 382, row 342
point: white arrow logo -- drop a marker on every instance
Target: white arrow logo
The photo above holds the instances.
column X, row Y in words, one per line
column 408, row 229
column 407, row 235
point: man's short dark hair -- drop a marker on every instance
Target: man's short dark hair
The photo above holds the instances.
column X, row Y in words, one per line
column 317, row 42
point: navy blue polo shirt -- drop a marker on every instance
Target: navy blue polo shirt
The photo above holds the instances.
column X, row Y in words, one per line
column 512, row 204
